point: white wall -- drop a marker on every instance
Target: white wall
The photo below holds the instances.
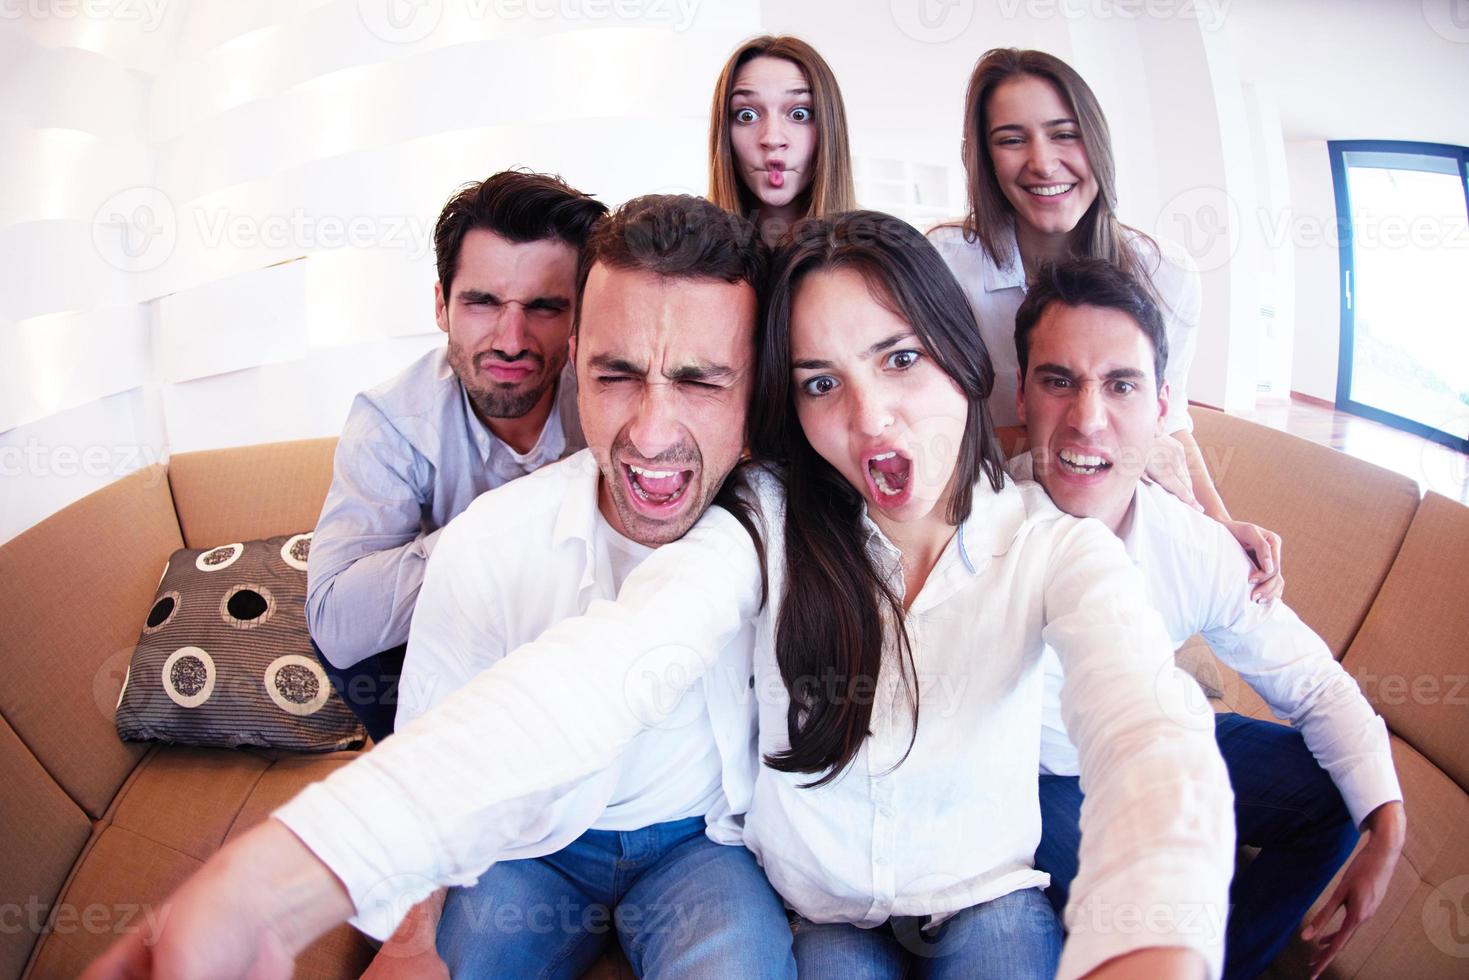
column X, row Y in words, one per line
column 1313, row 239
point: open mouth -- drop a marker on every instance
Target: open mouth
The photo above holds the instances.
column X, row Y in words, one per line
column 1082, row 464
column 656, row 491
column 1049, row 190
column 890, row 474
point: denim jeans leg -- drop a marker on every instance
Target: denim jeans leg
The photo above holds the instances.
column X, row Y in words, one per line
column 1060, row 835
column 1013, row 937
column 705, row 910
column 522, row 919
column 369, row 687
column 838, row 951
column 1286, row 805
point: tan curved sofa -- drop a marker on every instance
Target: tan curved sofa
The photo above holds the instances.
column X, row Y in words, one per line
column 97, row 832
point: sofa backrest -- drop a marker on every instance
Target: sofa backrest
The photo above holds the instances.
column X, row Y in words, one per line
column 1342, row 519
column 1411, row 656
column 228, row 495
column 73, row 593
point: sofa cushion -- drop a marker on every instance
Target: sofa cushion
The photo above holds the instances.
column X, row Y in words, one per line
column 1342, row 519
column 44, row 833
column 71, row 591
column 1411, row 657
column 179, row 807
column 1421, row 929
column 225, row 495
column 225, row 658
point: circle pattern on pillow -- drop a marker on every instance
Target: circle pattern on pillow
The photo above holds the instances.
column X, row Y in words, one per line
column 217, row 558
column 188, row 676
column 296, row 550
column 247, row 605
column 165, row 607
column 297, row 684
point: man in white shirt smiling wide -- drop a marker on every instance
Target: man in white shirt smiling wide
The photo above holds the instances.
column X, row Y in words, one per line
column 1092, row 353
column 664, row 348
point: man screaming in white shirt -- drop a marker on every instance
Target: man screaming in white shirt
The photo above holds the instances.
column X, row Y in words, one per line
column 1092, row 354
column 650, row 849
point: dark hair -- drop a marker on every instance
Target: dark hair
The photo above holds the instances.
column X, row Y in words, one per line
column 679, row 236
column 1090, row 282
column 517, row 205
column 837, row 604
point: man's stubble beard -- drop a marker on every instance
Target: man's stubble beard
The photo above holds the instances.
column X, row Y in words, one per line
column 494, row 401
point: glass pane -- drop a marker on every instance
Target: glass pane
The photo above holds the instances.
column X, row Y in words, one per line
column 1410, row 250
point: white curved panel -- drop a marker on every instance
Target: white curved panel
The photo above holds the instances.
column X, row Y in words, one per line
column 237, row 323
column 54, row 174
column 387, row 199
column 136, row 34
column 53, row 267
column 346, row 34
column 49, row 464
column 302, row 399
column 55, row 363
column 71, row 89
column 356, row 295
column 390, row 103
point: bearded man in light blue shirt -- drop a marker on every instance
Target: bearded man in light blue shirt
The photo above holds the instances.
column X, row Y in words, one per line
column 497, row 402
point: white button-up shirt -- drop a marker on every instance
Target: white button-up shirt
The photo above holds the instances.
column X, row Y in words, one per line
column 517, row 562
column 996, row 292
column 1198, row 578
column 491, row 767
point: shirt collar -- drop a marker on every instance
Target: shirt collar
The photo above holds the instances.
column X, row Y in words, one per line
column 549, row 445
column 576, row 520
column 1009, row 276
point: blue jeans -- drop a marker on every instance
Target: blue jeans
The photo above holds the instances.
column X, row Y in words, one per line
column 370, row 687
column 1013, row 937
column 1284, row 803
column 680, row 905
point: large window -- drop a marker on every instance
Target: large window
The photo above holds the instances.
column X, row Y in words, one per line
column 1403, row 209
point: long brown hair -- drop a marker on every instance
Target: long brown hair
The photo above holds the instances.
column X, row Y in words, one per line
column 830, row 189
column 837, row 605
column 990, row 218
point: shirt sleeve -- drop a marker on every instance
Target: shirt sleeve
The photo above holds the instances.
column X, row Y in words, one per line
column 369, row 550
column 1176, row 280
column 491, row 766
column 1293, row 670
column 456, row 627
column 1157, row 829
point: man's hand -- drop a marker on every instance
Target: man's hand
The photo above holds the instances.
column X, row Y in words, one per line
column 247, row 913
column 1263, row 547
column 412, row 952
column 1363, row 885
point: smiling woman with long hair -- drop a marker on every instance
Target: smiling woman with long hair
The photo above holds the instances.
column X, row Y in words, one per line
column 778, row 136
column 1042, row 186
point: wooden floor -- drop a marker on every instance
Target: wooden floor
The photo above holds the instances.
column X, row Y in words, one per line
column 1434, row 466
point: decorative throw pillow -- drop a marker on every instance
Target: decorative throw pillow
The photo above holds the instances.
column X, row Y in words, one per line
column 225, row 658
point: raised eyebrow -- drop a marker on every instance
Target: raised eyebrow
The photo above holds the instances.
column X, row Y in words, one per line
column 813, row 364
column 1125, row 374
